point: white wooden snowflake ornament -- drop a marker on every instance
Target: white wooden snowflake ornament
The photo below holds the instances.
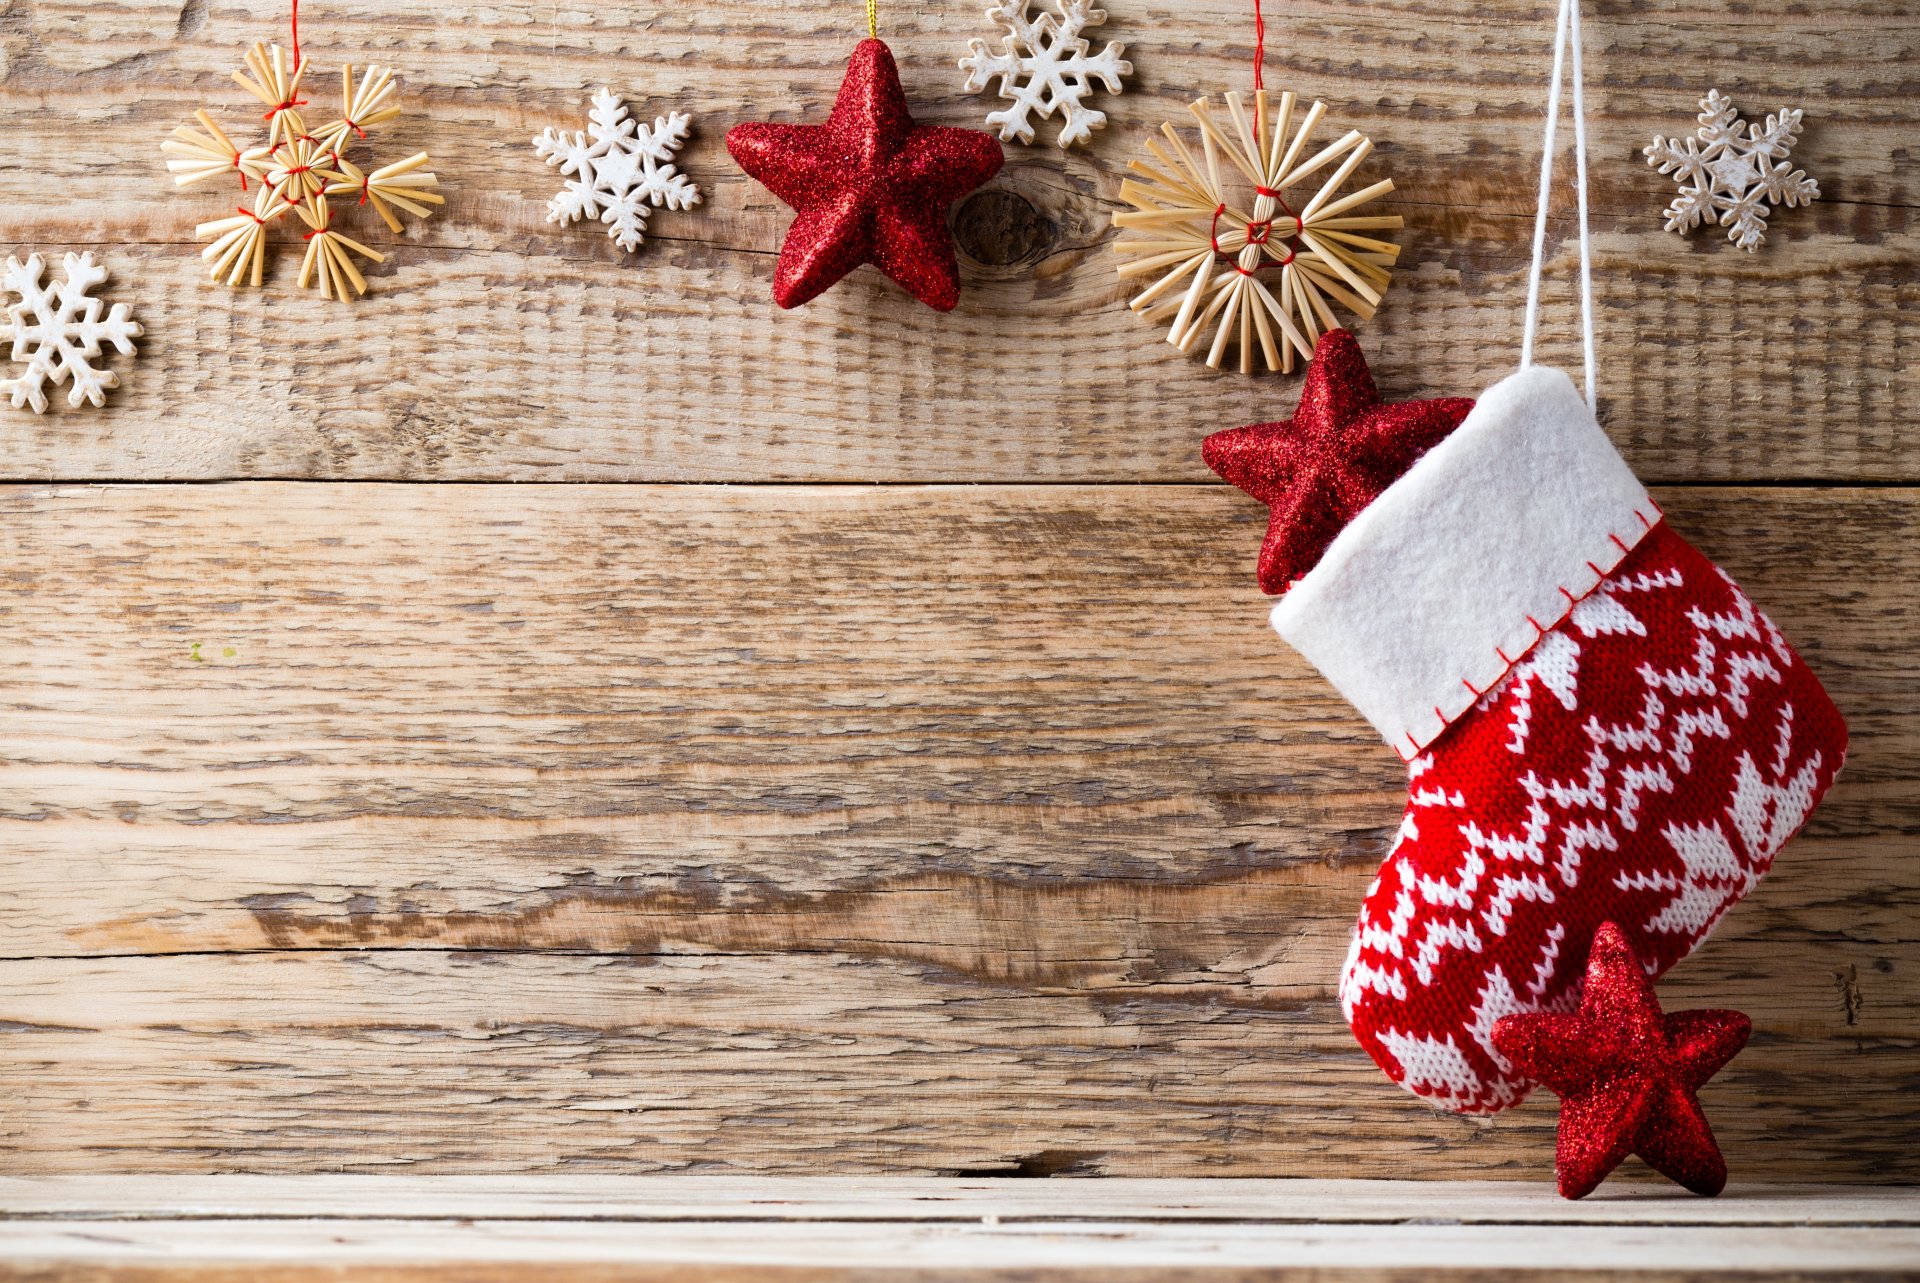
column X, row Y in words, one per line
column 57, row 330
column 1044, row 66
column 620, row 169
column 1727, row 169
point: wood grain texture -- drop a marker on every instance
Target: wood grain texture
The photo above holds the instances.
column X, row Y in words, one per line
column 915, row 829
column 601, row 1229
column 654, row 1199
column 972, row 829
column 501, row 347
column 394, row 1249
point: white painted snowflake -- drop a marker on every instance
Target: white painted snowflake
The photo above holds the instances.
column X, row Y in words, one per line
column 1727, row 168
column 57, row 330
column 621, row 169
column 1044, row 67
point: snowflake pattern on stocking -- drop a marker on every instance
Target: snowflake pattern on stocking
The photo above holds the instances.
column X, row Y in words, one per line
column 1044, row 66
column 1731, row 169
column 1641, row 765
column 619, row 170
column 58, row 330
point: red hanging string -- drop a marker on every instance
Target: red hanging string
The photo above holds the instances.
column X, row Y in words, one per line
column 1259, row 46
column 291, row 101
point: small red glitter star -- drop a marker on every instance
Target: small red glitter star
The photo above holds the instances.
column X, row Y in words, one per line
column 1626, row 1074
column 1341, row 448
column 869, row 186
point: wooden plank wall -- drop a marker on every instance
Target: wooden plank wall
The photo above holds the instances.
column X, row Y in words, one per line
column 359, row 811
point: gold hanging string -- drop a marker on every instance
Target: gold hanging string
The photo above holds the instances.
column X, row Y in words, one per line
column 873, row 19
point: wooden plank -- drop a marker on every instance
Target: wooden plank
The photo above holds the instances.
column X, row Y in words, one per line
column 592, row 1252
column 601, row 1229
column 797, row 1064
column 893, row 1198
column 426, row 1229
column 798, row 830
column 502, row 347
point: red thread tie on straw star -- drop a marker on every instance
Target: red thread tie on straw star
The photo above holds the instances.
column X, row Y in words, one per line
column 1627, row 1074
column 290, row 102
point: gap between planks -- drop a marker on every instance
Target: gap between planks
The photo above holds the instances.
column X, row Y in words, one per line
column 50, row 484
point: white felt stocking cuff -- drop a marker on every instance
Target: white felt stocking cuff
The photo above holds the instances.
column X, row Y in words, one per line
column 1446, row 580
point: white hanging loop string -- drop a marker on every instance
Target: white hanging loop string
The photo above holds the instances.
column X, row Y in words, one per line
column 1566, row 32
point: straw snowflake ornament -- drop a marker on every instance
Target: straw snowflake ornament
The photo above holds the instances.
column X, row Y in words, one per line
column 300, row 171
column 1264, row 279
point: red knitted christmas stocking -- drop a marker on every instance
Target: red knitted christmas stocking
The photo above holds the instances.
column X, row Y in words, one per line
column 1598, row 725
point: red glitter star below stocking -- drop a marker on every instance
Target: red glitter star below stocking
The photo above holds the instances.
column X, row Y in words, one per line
column 1627, row 1074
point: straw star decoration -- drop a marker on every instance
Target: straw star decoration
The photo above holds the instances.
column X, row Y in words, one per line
column 1263, row 278
column 300, row 171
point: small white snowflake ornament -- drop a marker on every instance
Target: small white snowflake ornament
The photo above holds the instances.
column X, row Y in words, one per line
column 1044, row 66
column 620, row 169
column 1731, row 169
column 58, row 330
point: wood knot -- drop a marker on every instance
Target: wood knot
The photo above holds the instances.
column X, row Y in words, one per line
column 1001, row 228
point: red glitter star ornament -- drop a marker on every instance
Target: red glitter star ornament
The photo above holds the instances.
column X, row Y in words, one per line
column 1627, row 1074
column 869, row 186
column 1341, row 448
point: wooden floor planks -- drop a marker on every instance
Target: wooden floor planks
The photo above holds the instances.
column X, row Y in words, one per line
column 599, row 1230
